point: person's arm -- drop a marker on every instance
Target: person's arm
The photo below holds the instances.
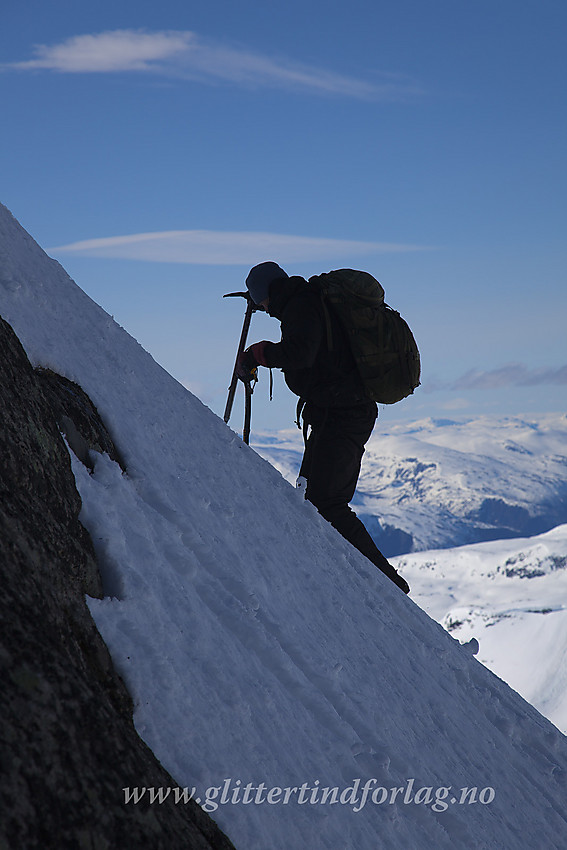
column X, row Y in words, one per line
column 302, row 331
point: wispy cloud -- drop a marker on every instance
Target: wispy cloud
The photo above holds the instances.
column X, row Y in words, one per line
column 184, row 54
column 510, row 375
column 211, row 247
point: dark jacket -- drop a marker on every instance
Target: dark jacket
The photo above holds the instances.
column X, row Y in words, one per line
column 318, row 375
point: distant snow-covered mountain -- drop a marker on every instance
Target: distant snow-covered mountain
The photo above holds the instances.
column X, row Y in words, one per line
column 511, row 596
column 442, row 483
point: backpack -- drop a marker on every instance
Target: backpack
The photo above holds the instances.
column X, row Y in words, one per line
column 382, row 344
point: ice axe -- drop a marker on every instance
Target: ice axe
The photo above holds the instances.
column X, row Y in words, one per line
column 251, row 308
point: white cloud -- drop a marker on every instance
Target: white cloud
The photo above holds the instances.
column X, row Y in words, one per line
column 456, row 404
column 509, row 375
column 184, row 54
column 210, row 247
column 119, row 50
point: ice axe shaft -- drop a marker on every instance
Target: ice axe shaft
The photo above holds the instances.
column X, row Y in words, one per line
column 250, row 309
column 247, row 412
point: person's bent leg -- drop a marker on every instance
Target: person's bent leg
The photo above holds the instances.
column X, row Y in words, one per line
column 332, row 465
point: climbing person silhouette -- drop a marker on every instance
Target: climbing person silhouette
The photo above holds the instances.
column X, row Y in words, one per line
column 337, row 414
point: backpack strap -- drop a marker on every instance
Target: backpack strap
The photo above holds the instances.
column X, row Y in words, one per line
column 327, row 322
column 316, row 283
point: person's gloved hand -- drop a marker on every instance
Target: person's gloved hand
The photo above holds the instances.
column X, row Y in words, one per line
column 258, row 351
column 249, row 360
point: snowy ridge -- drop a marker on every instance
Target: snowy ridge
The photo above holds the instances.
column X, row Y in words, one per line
column 511, row 596
column 258, row 645
column 441, row 483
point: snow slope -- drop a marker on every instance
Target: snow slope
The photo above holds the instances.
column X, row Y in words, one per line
column 259, row 647
column 442, row 483
column 511, row 596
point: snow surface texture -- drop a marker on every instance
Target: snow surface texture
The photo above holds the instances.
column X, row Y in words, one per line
column 441, row 483
column 258, row 645
column 511, row 596
column 434, row 479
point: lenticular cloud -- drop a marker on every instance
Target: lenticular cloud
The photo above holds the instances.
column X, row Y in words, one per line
column 211, row 247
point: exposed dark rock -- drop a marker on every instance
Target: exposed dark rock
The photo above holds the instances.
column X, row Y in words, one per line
column 390, row 540
column 498, row 519
column 77, row 418
column 68, row 744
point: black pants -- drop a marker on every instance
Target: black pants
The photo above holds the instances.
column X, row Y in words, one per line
column 331, row 465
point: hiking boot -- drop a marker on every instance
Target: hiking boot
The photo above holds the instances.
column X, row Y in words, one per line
column 394, row 576
column 400, row 581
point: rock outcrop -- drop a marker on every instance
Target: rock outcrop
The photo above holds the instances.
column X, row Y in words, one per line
column 68, row 743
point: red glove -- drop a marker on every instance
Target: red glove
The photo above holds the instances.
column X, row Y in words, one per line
column 249, row 360
column 258, row 351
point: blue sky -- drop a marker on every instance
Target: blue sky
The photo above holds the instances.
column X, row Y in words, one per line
column 159, row 150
